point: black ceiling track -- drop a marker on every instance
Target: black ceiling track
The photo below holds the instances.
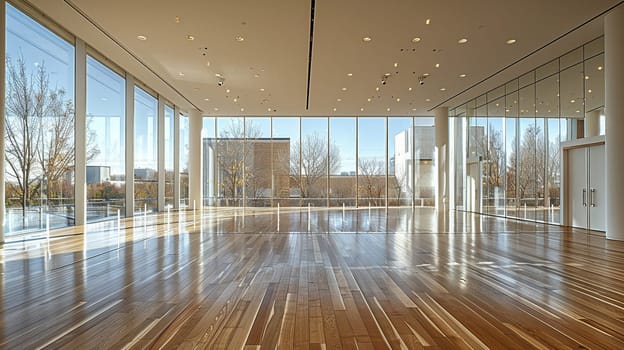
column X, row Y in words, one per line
column 312, row 5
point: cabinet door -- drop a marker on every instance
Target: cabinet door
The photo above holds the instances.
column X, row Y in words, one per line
column 577, row 187
column 596, row 199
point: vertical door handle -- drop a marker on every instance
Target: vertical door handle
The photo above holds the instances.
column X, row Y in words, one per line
column 584, row 197
column 592, row 198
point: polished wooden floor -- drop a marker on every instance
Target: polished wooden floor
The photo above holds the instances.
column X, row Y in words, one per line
column 354, row 279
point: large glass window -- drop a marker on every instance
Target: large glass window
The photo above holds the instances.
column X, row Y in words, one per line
column 402, row 160
column 424, row 168
column 231, row 161
column 39, row 107
column 317, row 159
column 208, row 160
column 169, row 149
column 342, row 182
column 372, row 162
column 495, row 159
column 258, row 162
column 184, row 161
column 106, row 181
column 286, row 166
column 145, row 151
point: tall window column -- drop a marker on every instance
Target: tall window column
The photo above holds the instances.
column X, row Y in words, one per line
column 161, row 154
column 176, row 158
column 129, row 145
column 614, row 110
column 195, row 161
column 441, row 157
column 2, row 119
column 80, row 167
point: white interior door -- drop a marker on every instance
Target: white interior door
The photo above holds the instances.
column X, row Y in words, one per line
column 577, row 187
column 596, row 199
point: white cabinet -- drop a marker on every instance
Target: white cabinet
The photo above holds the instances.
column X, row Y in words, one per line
column 584, row 185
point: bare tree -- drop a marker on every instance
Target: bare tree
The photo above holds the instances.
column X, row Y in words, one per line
column 40, row 145
column 527, row 168
column 234, row 151
column 372, row 180
column 316, row 163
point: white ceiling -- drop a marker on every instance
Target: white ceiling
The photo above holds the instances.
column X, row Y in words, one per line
column 274, row 53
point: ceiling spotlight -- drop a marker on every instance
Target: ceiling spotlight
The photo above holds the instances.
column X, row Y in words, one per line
column 261, row 89
column 227, row 90
column 427, row 100
column 599, row 67
column 396, row 64
column 218, row 75
column 388, row 109
column 181, row 74
column 442, row 89
column 334, row 109
column 510, row 41
column 344, row 89
column 235, row 99
column 239, row 38
column 216, row 109
column 462, row 41
column 462, row 75
column 269, row 109
column 369, row 99
column 409, row 89
column 349, row 74
column 206, row 99
column 361, row 109
column 416, row 39
column 367, row 39
column 141, row 37
column 428, row 21
column 256, row 75
column 177, row 19
column 572, row 101
column 413, row 109
column 425, row 74
column 398, row 99
column 190, row 38
column 207, row 63
column 589, row 91
column 587, row 77
column 339, row 99
column 242, row 109
column 377, row 88
column 437, row 65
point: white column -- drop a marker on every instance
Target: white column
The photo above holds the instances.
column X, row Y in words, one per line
column 614, row 111
column 195, row 159
column 441, row 157
column 129, row 145
column 176, row 158
column 2, row 121
column 161, row 154
column 592, row 123
column 80, row 166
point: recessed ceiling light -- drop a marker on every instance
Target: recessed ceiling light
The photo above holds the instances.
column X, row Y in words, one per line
column 235, row 99
column 269, row 109
column 437, row 65
column 497, row 104
column 388, row 109
column 177, row 19
column 216, row 109
column 256, row 75
column 369, row 99
column 587, row 77
column 409, row 89
column 206, row 99
column 442, row 89
column 261, row 89
column 190, row 38
column 416, row 39
column 425, row 74
column 367, row 39
column 334, row 109
column 207, row 63
column 242, row 109
column 361, row 109
column 578, row 111
column 413, row 109
column 227, row 91
column 239, row 38
column 396, row 64
column 398, row 99
column 572, row 101
column 462, row 75
column 141, row 37
column 589, row 91
column 428, row 21
column 339, row 99
column 428, row 100
column 599, row 67
column 462, row 41
column 181, row 74
column 349, row 74
column 510, row 41
column 344, row 89
column 377, row 88
column 218, row 75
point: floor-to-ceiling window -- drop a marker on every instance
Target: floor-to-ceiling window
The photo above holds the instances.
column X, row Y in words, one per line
column 169, row 149
column 145, row 151
column 39, row 132
column 184, row 161
column 318, row 157
column 258, row 162
column 286, row 133
column 208, row 160
column 342, row 179
column 372, row 164
column 106, row 181
column 401, row 160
